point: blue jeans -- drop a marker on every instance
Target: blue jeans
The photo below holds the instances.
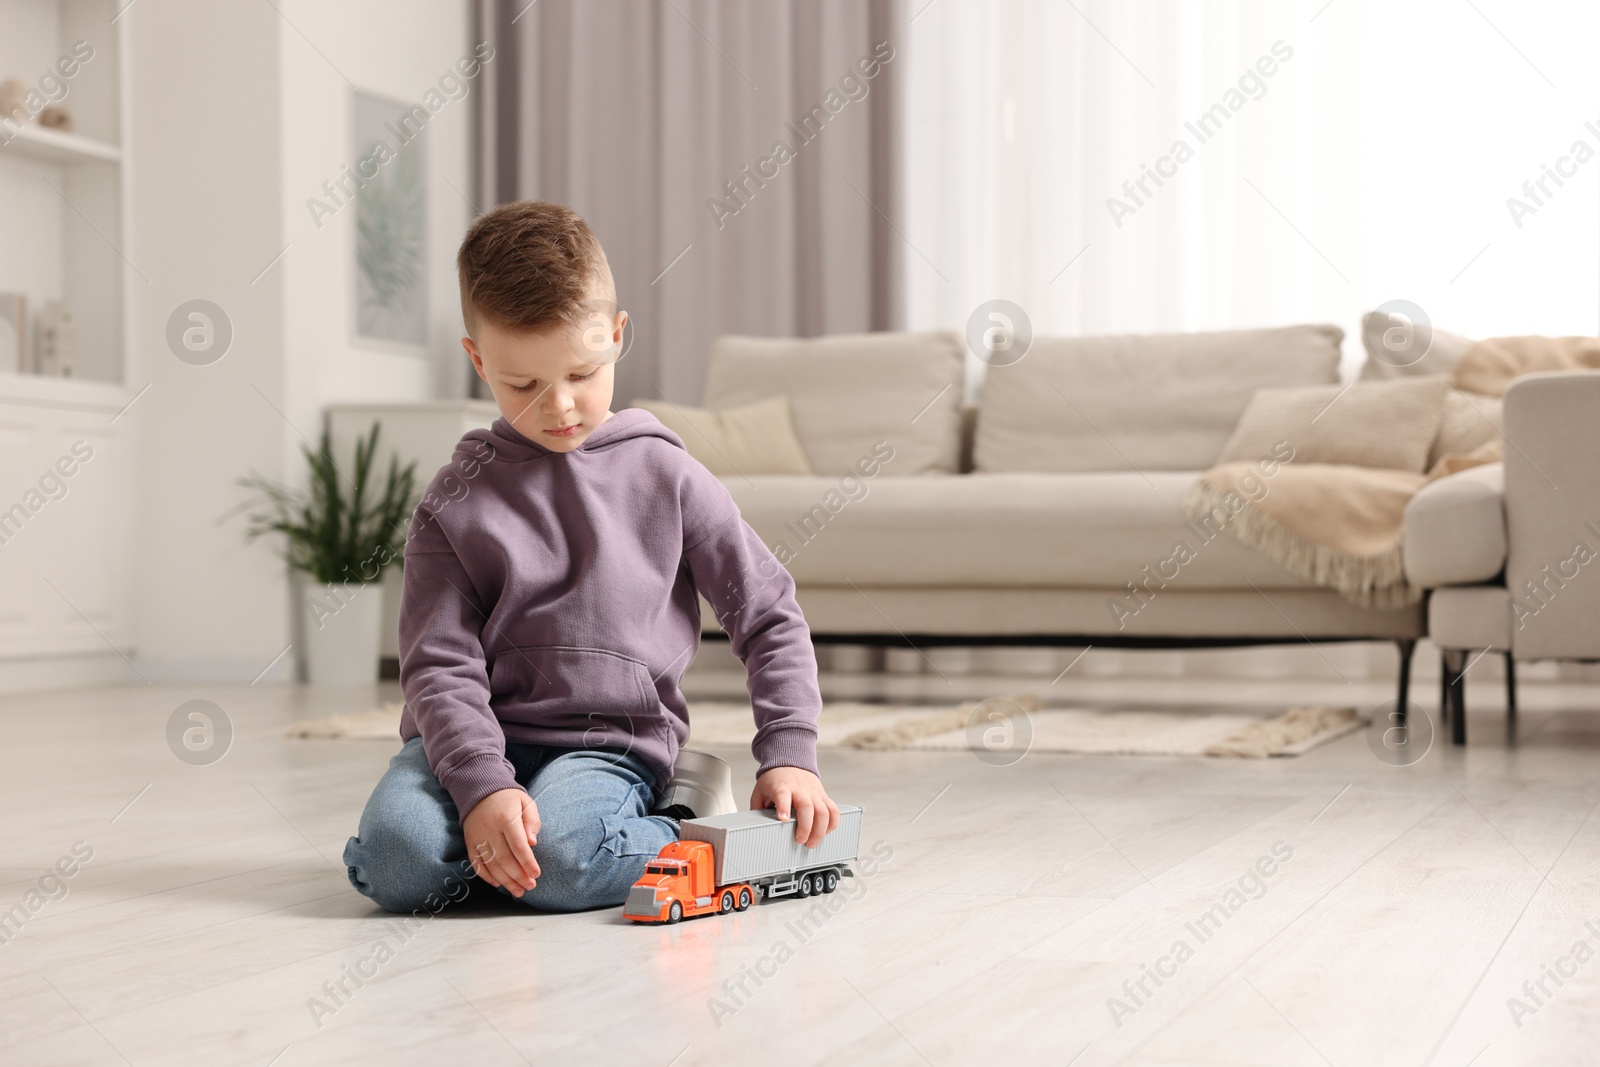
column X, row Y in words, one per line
column 595, row 835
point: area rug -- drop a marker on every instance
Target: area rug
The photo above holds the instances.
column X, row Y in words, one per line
column 1006, row 724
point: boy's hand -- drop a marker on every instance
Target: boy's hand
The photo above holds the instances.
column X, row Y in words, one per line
column 501, row 831
column 792, row 789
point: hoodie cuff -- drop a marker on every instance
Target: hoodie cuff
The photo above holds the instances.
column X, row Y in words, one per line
column 787, row 746
column 475, row 778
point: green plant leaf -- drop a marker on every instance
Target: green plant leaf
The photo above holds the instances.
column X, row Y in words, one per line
column 334, row 536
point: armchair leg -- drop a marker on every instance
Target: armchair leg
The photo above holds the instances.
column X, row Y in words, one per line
column 1406, row 646
column 1455, row 670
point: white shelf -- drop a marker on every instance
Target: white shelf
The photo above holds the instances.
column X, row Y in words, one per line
column 53, row 146
column 69, row 200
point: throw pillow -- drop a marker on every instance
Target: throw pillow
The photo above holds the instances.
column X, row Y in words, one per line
column 756, row 438
column 1470, row 421
column 1364, row 424
column 1400, row 349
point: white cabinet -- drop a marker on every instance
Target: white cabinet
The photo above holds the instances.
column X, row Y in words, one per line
column 65, row 507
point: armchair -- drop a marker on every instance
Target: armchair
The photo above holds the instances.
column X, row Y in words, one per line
column 1510, row 553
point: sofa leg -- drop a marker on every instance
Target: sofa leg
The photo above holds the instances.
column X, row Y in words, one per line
column 1455, row 670
column 1444, row 690
column 1511, row 698
column 1406, row 646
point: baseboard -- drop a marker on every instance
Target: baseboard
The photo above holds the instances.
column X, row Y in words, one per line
column 262, row 669
column 41, row 673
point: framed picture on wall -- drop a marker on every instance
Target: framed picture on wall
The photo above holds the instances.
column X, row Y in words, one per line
column 391, row 223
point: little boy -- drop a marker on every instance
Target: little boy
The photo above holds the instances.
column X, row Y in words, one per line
column 550, row 609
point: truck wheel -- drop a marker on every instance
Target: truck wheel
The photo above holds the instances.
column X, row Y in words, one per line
column 727, row 901
column 744, row 899
column 805, row 885
column 830, row 881
column 675, row 912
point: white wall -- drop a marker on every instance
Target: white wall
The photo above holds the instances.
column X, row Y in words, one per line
column 241, row 112
column 204, row 165
column 398, row 50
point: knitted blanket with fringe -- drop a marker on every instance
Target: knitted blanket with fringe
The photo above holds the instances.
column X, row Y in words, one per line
column 1331, row 525
column 1340, row 526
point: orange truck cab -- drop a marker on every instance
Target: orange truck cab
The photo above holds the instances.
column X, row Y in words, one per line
column 680, row 883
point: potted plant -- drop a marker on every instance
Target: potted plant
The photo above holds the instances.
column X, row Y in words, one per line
column 341, row 540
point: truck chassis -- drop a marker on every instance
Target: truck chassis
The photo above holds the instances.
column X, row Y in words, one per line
column 804, row 883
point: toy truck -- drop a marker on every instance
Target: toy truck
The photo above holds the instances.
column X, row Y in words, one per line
column 727, row 862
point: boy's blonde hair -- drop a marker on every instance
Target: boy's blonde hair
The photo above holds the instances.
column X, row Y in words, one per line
column 529, row 265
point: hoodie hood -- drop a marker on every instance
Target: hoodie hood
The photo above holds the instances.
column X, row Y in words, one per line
column 624, row 425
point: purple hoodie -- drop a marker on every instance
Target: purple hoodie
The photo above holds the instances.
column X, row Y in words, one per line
column 550, row 598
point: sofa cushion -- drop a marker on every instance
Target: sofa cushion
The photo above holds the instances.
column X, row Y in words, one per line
column 1364, row 424
column 848, row 392
column 1139, row 402
column 1455, row 529
column 1030, row 530
column 756, row 438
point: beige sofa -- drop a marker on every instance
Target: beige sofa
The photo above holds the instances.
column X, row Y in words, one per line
column 1050, row 512
column 1511, row 551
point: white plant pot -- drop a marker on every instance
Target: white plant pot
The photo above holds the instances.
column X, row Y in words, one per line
column 343, row 628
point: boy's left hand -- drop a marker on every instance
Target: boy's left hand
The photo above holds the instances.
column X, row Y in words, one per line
column 792, row 790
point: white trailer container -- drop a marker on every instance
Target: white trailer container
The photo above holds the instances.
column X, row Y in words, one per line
column 755, row 847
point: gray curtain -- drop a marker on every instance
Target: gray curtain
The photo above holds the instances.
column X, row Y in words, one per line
column 638, row 114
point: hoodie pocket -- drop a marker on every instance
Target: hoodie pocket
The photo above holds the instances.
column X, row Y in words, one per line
column 586, row 697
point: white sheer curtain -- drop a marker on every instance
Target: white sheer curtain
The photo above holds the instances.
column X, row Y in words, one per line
column 1373, row 163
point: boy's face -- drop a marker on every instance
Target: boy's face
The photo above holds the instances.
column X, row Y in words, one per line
column 553, row 385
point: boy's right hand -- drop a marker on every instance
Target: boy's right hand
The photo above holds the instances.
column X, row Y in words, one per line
column 501, row 831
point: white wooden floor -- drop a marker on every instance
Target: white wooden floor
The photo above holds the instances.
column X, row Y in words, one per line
column 1016, row 903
